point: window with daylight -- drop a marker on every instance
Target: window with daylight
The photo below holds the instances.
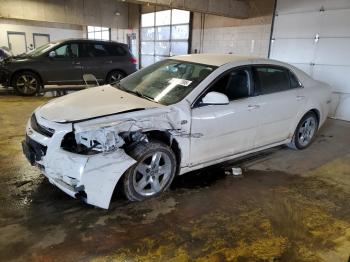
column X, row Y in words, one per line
column 164, row 34
column 98, row 33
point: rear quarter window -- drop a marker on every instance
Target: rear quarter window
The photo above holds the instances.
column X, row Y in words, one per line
column 116, row 50
column 294, row 81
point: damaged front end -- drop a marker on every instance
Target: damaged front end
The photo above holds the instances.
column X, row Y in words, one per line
column 90, row 163
column 102, row 140
column 92, row 176
column 86, row 159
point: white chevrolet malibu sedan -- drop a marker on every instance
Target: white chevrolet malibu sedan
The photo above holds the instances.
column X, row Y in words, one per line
column 178, row 115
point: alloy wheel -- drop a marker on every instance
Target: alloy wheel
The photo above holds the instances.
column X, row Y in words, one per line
column 27, row 84
column 115, row 77
column 152, row 175
column 307, row 130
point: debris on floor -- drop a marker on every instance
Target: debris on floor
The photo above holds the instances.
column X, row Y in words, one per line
column 235, row 172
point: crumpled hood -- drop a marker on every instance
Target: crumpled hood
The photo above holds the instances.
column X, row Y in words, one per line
column 91, row 103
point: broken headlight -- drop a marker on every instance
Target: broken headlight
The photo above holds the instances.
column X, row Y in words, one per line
column 92, row 142
column 101, row 140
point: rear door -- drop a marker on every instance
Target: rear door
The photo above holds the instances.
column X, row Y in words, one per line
column 121, row 58
column 100, row 59
column 280, row 101
column 95, row 60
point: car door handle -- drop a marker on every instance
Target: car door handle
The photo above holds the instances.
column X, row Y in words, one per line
column 109, row 62
column 76, row 63
column 300, row 98
column 253, row 107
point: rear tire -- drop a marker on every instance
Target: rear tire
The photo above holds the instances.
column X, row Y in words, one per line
column 26, row 83
column 305, row 132
column 152, row 174
column 115, row 76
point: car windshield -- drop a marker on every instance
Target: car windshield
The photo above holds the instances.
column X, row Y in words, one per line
column 166, row 82
column 41, row 49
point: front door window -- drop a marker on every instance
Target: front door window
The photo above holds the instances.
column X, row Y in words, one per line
column 67, row 51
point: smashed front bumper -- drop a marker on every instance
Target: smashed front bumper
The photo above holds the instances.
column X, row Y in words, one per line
column 92, row 177
column 95, row 175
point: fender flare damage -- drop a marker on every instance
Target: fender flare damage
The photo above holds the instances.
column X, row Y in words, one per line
column 95, row 155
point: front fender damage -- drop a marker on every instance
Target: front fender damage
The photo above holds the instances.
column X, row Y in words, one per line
column 93, row 157
column 102, row 174
column 93, row 177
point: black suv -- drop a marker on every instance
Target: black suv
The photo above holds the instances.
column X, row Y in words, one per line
column 65, row 62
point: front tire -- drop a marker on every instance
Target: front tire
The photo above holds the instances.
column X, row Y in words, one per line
column 26, row 83
column 305, row 132
column 152, row 174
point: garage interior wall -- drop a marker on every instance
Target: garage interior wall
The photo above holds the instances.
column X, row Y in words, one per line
column 215, row 34
column 315, row 37
column 251, row 36
column 55, row 30
column 218, row 34
column 60, row 20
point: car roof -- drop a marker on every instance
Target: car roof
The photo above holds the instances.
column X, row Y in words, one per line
column 214, row 59
column 85, row 40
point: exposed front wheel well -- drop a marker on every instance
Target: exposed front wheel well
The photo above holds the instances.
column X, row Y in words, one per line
column 166, row 138
column 161, row 136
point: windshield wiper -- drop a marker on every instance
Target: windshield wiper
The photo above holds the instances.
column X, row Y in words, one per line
column 139, row 94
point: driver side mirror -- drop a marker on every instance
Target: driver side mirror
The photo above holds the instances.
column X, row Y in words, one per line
column 215, row 98
column 52, row 54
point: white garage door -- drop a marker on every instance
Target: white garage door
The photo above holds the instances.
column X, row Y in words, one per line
column 40, row 39
column 17, row 42
column 314, row 36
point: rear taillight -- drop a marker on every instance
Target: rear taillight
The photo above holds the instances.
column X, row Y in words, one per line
column 133, row 60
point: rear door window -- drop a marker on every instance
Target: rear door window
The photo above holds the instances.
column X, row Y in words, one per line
column 93, row 50
column 99, row 50
column 271, row 79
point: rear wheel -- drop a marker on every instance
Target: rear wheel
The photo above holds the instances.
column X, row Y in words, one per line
column 115, row 76
column 152, row 174
column 26, row 83
column 305, row 132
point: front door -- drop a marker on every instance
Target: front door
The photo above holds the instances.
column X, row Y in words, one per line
column 219, row 131
column 65, row 66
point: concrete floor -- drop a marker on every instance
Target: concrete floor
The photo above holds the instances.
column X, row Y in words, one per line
column 290, row 206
